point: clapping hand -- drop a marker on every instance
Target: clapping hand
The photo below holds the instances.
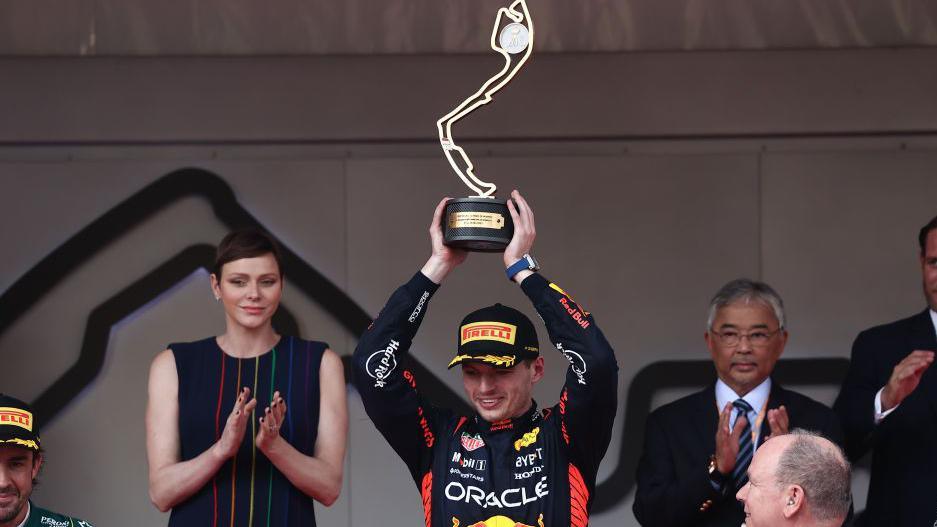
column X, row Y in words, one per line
column 270, row 422
column 905, row 378
column 727, row 440
column 778, row 421
column 233, row 433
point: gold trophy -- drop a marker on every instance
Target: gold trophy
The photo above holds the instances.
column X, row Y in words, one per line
column 482, row 222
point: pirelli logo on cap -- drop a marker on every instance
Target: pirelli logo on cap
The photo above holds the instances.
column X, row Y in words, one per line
column 497, row 331
column 16, row 417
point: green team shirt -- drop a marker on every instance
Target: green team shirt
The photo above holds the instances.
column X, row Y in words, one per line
column 43, row 518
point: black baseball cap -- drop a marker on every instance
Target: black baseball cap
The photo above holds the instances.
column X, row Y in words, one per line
column 496, row 335
column 17, row 424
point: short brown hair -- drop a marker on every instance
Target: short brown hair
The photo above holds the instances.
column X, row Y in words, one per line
column 245, row 243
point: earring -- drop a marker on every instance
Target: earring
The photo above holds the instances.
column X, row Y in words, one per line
column 790, row 501
column 217, row 299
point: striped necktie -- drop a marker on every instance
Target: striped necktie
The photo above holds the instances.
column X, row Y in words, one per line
column 746, row 447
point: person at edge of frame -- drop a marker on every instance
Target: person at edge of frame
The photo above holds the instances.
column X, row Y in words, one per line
column 20, row 463
column 800, row 479
column 888, row 405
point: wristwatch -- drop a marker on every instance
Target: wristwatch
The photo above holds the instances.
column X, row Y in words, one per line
column 718, row 478
column 526, row 262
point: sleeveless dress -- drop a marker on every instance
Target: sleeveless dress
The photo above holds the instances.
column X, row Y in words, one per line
column 247, row 491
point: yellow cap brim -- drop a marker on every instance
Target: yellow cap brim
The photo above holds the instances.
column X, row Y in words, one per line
column 500, row 361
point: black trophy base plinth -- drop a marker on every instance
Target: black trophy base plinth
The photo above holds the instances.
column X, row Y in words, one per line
column 477, row 224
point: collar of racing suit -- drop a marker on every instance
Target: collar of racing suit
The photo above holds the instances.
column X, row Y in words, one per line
column 530, row 416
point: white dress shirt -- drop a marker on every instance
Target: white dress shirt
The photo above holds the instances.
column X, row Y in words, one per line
column 25, row 518
column 757, row 398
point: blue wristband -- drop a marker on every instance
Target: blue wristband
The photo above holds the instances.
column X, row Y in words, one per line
column 527, row 262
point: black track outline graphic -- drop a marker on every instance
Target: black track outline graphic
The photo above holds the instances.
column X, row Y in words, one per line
column 192, row 181
column 90, row 240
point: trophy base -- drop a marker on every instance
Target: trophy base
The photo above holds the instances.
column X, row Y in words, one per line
column 477, row 224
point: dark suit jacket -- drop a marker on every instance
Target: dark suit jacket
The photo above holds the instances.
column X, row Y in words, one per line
column 903, row 487
column 673, row 482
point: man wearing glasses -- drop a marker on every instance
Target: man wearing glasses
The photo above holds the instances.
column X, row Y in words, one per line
column 697, row 449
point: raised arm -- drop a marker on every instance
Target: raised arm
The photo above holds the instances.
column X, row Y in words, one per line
column 388, row 392
column 868, row 373
column 172, row 481
column 589, row 398
column 319, row 475
column 389, row 395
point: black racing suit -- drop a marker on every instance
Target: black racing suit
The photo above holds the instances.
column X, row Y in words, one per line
column 535, row 470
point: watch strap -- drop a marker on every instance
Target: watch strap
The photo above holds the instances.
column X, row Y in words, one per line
column 526, row 262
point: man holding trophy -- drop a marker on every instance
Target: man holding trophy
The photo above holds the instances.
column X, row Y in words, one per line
column 509, row 463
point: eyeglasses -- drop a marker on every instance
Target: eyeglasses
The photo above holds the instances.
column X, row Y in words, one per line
column 733, row 338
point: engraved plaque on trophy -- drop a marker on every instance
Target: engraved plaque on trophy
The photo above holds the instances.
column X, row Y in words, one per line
column 482, row 222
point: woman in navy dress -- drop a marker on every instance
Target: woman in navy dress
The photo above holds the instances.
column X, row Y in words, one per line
column 249, row 427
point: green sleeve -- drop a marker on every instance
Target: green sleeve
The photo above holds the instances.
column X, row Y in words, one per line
column 39, row 517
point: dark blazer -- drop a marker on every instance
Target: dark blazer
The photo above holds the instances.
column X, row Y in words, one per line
column 673, row 481
column 903, row 485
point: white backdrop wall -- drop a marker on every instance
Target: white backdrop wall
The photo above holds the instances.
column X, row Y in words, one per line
column 653, row 187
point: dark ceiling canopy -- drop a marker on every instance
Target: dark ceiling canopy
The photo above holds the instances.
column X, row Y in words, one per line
column 335, row 27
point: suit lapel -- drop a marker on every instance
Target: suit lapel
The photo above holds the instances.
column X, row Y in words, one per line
column 923, row 338
column 922, row 332
column 706, row 417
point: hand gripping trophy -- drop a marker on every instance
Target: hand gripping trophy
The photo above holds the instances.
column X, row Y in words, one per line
column 482, row 222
